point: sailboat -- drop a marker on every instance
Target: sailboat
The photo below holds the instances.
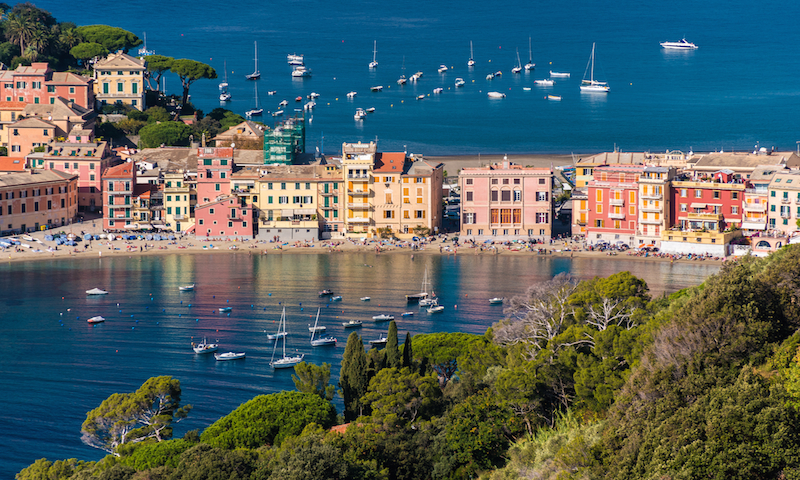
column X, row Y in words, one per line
column 321, row 341
column 423, row 291
column 592, row 85
column 257, row 110
column 284, row 361
column 256, row 74
column 374, row 63
column 224, row 94
column 470, row 62
column 402, row 80
column 530, row 65
column 143, row 52
column 518, row 68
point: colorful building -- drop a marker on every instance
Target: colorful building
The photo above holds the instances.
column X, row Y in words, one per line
column 219, row 213
column 119, row 79
column 38, row 84
column 698, row 204
column 784, row 202
column 506, row 202
column 358, row 160
column 654, row 205
column 180, row 198
column 37, row 199
column 613, row 204
column 119, row 183
column 755, row 205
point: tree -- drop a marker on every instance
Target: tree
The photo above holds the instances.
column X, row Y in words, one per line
column 408, row 352
column 157, row 65
column 442, row 350
column 8, row 51
column 310, row 378
column 69, row 37
column 157, row 114
column 130, row 126
column 189, row 71
column 87, row 51
column 133, row 417
column 19, row 28
column 398, row 396
column 353, row 376
column 113, row 38
column 392, row 352
column 165, row 133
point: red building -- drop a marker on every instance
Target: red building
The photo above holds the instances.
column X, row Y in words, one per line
column 612, row 201
column 37, row 83
column 218, row 213
column 703, row 204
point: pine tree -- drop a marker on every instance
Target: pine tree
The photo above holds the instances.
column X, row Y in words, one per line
column 392, row 352
column 353, row 376
column 408, row 353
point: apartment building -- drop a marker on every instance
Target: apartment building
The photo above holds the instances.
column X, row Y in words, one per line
column 613, row 197
column 755, row 205
column 119, row 183
column 37, row 199
column 219, row 213
column 38, row 84
column 180, row 198
column 654, row 205
column 784, row 202
column 119, row 78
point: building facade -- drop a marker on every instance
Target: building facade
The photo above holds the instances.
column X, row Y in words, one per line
column 37, row 199
column 219, row 213
column 784, row 202
column 119, row 79
column 38, row 84
column 506, row 202
column 654, row 205
column 180, row 198
column 119, row 183
column 613, row 197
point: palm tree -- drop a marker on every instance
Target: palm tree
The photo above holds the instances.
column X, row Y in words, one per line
column 37, row 43
column 19, row 29
column 69, row 38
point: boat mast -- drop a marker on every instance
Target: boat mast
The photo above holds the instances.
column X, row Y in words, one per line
column 592, row 60
column 374, row 50
column 530, row 52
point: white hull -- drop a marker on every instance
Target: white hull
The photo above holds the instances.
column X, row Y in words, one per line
column 559, row 74
column 594, row 88
column 436, row 309
column 186, row 288
column 97, row 319
column 96, row 291
column 682, row 45
column 287, row 362
column 323, row 342
column 544, row 83
column 222, row 357
column 496, row 95
column 383, row 318
column 352, row 324
column 275, row 336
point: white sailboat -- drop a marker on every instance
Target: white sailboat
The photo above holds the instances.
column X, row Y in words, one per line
column 518, row 68
column 374, row 62
column 321, row 341
column 592, row 85
column 256, row 74
column 285, row 361
column 423, row 290
column 470, row 62
column 256, row 111
column 143, row 52
column 402, row 80
column 224, row 94
column 429, row 300
column 530, row 65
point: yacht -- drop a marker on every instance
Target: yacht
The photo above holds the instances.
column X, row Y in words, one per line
column 351, row 94
column 301, row 71
column 470, row 62
column 559, row 74
column 460, row 82
column 592, row 85
column 682, row 45
column 256, row 74
column 496, row 95
column 530, row 65
column 360, row 114
column 442, row 68
column 518, row 68
column 294, row 59
column 544, row 82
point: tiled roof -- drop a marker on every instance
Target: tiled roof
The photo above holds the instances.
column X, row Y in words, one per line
column 123, row 170
column 389, row 162
column 33, row 176
column 32, row 122
column 120, row 59
column 68, row 78
column 12, row 164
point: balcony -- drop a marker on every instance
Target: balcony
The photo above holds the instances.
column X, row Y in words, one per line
column 757, row 191
column 648, row 208
column 329, row 194
column 786, row 200
column 755, row 207
column 704, row 216
column 358, row 220
column 616, row 201
column 329, row 207
column 233, row 216
column 358, row 206
column 754, row 219
column 651, row 221
column 617, row 216
column 652, row 196
column 581, row 222
column 179, row 218
column 786, row 215
column 363, row 176
column 358, row 192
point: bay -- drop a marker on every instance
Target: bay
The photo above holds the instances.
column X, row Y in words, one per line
column 737, row 90
column 56, row 367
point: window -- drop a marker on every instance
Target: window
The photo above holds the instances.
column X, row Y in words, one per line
column 698, row 193
column 542, row 180
column 598, row 223
column 468, row 181
column 516, row 181
column 542, row 196
column 716, row 194
column 683, row 207
column 216, row 187
column 388, row 214
column 734, row 195
column 105, row 88
column 419, row 214
column 134, row 87
column 283, row 186
column 599, row 195
column 517, row 195
column 505, row 195
column 494, row 181
column 308, row 186
column 494, row 195
column 71, row 89
column 283, row 200
column 542, row 217
column 297, row 186
column 505, row 181
column 119, row 86
column 734, row 210
column 469, row 196
column 468, row 218
column 772, row 193
column 51, row 89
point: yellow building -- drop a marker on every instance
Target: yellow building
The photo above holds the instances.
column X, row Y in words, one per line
column 119, row 78
column 180, row 198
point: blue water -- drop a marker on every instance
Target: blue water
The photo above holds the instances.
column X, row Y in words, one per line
column 738, row 89
column 55, row 367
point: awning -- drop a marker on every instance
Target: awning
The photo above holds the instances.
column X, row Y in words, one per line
column 754, row 225
column 145, row 227
column 305, row 211
column 131, row 226
column 160, row 227
column 698, row 205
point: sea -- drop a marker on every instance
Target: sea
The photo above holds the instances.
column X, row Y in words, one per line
column 738, row 91
column 56, row 367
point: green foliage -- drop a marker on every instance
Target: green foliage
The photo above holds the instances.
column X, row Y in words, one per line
column 107, row 130
column 157, row 114
column 112, row 38
column 203, row 462
column 353, row 379
column 392, row 352
column 397, row 397
column 189, row 71
column 269, row 419
column 408, row 352
column 165, row 133
column 8, row 51
column 44, row 469
column 157, row 65
column 442, row 351
column 154, row 454
column 130, row 126
column 309, row 457
column 310, row 378
column 88, row 50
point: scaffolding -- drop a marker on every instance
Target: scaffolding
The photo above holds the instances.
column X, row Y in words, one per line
column 286, row 141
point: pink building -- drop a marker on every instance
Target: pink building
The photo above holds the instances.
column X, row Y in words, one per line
column 38, row 84
column 218, row 213
column 506, row 202
column 612, row 200
column 30, row 133
column 119, row 183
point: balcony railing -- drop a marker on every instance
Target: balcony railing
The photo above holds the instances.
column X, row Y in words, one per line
column 618, row 216
column 617, row 201
column 648, row 208
column 179, row 218
column 786, row 200
column 358, row 177
column 752, row 219
column 358, row 192
column 651, row 221
column 331, row 193
column 330, row 207
column 358, row 206
column 652, row 196
column 786, row 215
column 755, row 207
column 358, row 220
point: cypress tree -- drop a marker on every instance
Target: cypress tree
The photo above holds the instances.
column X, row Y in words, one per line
column 408, row 353
column 353, row 376
column 392, row 352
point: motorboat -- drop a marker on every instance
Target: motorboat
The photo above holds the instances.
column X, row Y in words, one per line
column 96, row 291
column 222, row 357
column 321, row 341
column 310, row 105
column 530, row 65
column 371, row 110
column 352, row 324
column 298, row 98
column 313, row 95
column 324, row 292
column 496, row 301
column 351, row 94
column 272, row 92
column 559, row 74
column 186, row 288
column 365, row 299
column 496, row 95
column 420, row 97
column 336, row 298
column 225, row 309
column 256, row 74
column 554, row 97
column 460, row 82
column 490, row 76
column 438, row 90
column 442, row 68
column 301, row 71
column 204, row 347
column 254, row 112
column 681, row 45
column 544, row 82
column 402, row 80
column 376, row 88
column 294, row 59
column 407, row 314
column 470, row 62
column 383, row 317
column 518, row 68
column 283, row 103
column 285, row 361
column 415, row 77
column 436, row 309
column 374, row 62
column 527, row 89
column 97, row 319
column 275, row 336
column 498, row 73
column 317, row 328
column 431, row 301
column 379, row 341
column 592, row 85
column 360, row 114
column 277, row 113
column 225, row 96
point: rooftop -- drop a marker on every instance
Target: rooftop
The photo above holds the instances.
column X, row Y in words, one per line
column 33, row 176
